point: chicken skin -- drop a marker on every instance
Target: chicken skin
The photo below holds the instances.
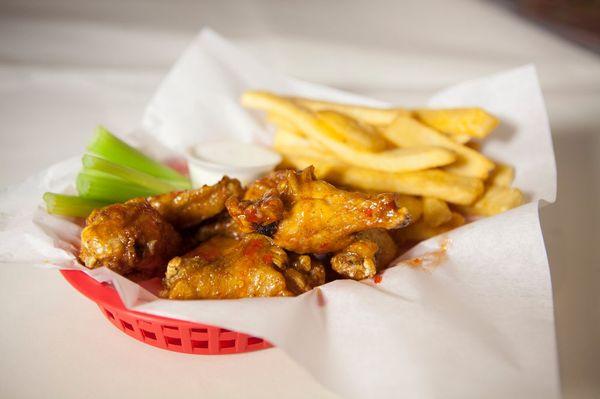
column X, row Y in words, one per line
column 223, row 225
column 188, row 208
column 227, row 268
column 306, row 215
column 129, row 237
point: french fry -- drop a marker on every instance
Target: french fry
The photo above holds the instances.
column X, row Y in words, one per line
column 474, row 122
column 408, row 132
column 422, row 231
column 503, row 175
column 435, row 212
column 396, row 160
column 280, row 121
column 413, row 204
column 290, row 143
column 292, row 139
column 369, row 115
column 350, row 131
column 460, row 138
column 431, row 183
column 474, row 145
column 496, row 199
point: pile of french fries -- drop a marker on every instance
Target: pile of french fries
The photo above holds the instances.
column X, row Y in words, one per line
column 428, row 155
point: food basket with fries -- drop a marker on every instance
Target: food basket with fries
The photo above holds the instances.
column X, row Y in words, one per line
column 393, row 250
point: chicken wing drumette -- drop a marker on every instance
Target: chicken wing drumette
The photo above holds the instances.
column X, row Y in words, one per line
column 306, row 215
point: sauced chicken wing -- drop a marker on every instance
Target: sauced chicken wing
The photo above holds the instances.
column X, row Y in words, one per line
column 304, row 273
column 190, row 207
column 306, row 215
column 128, row 237
column 357, row 260
column 268, row 184
column 372, row 251
column 224, row 225
column 226, row 268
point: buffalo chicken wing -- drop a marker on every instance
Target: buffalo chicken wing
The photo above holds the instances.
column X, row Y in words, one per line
column 226, row 268
column 306, row 215
column 190, row 207
column 128, row 237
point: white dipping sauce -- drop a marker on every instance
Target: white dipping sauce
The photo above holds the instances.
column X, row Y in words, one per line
column 209, row 162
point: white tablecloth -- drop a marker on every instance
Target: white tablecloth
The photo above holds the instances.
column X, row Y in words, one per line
column 66, row 66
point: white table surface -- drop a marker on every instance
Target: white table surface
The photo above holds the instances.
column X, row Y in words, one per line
column 66, row 66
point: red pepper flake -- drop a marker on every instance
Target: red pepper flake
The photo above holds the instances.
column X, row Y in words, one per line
column 377, row 279
column 369, row 212
column 267, row 258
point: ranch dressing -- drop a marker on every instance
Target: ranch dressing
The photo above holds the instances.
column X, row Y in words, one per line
column 209, row 162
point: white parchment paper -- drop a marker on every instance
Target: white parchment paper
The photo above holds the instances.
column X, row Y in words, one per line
column 475, row 321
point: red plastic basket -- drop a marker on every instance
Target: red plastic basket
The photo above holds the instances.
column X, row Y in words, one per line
column 162, row 332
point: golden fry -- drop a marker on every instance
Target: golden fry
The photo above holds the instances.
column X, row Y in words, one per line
column 369, row 115
column 474, row 122
column 431, row 183
column 496, row 199
column 422, row 231
column 287, row 142
column 280, row 121
column 460, row 138
column 435, row 212
column 396, row 160
column 503, row 175
column 408, row 132
column 413, row 204
column 350, row 131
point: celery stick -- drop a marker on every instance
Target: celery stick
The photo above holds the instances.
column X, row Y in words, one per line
column 132, row 175
column 102, row 186
column 69, row 205
column 110, row 147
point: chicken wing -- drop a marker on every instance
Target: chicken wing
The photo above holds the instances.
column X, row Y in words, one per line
column 372, row 251
column 266, row 185
column 128, row 237
column 304, row 273
column 190, row 207
column 223, row 225
column 226, row 268
column 306, row 215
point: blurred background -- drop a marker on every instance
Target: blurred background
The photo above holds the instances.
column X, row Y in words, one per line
column 67, row 65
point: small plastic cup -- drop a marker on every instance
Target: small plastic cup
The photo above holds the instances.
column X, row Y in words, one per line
column 209, row 162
